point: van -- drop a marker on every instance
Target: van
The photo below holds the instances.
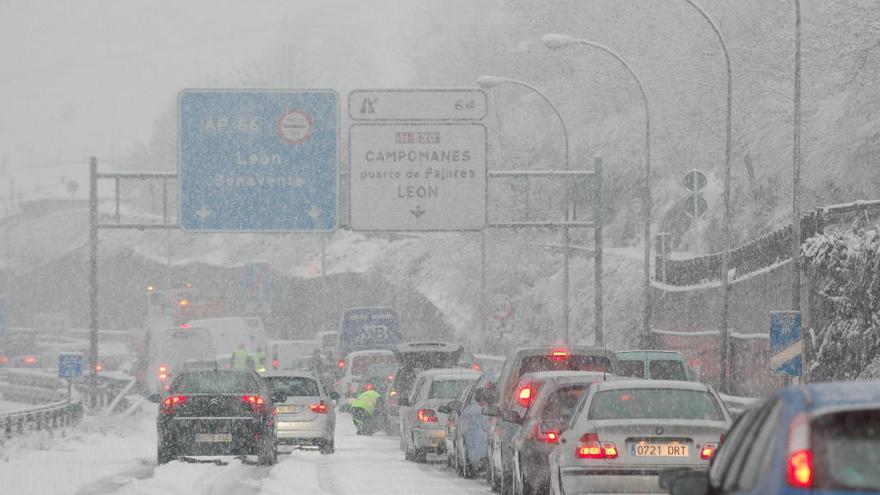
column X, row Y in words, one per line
column 655, row 365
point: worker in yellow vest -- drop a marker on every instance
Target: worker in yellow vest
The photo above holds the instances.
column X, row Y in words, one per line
column 240, row 358
column 260, row 360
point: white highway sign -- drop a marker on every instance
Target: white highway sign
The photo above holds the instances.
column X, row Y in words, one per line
column 417, row 104
column 425, row 177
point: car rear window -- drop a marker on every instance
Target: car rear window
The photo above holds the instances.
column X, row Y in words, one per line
column 846, row 450
column 531, row 364
column 214, row 382
column 655, row 403
column 447, row 389
column 560, row 405
column 667, row 369
column 294, row 386
column 359, row 364
column 631, row 368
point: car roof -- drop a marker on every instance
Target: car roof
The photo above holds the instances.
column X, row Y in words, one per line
column 641, row 383
column 288, row 374
column 638, row 353
column 370, row 352
column 834, row 395
column 450, row 373
column 575, row 350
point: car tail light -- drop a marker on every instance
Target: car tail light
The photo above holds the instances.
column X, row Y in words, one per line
column 551, row 436
column 799, row 463
column 390, row 378
column 708, row 450
column 185, row 326
column 590, row 447
column 475, row 367
column 30, row 359
column 368, row 386
column 525, row 395
column 319, row 408
column 275, row 364
column 4, row 359
column 341, row 364
column 171, row 403
column 427, row 416
column 559, row 354
column 258, row 405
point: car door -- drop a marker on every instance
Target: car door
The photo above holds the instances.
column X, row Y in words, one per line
column 724, row 475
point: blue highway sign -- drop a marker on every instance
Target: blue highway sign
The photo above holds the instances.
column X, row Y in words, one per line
column 786, row 343
column 258, row 160
column 70, row 365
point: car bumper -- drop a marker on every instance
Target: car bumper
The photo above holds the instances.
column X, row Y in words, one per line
column 429, row 439
column 240, row 436
column 293, row 432
column 597, row 480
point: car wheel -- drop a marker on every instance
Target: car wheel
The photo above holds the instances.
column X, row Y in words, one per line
column 420, row 456
column 267, row 455
column 327, row 447
column 165, row 454
column 506, row 481
column 521, row 481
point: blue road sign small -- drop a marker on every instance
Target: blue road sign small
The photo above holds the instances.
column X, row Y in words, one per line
column 258, row 160
column 70, row 365
column 4, row 316
column 786, row 346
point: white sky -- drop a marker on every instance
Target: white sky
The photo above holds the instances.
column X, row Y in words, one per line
column 90, row 77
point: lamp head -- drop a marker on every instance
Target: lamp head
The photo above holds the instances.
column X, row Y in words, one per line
column 487, row 82
column 556, row 41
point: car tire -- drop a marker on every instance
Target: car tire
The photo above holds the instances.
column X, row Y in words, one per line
column 327, row 448
column 506, row 481
column 268, row 454
column 492, row 476
column 165, row 454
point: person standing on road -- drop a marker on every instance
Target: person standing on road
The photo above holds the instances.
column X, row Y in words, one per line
column 260, row 360
column 239, row 358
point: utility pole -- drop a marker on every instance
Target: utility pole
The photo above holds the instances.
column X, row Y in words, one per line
column 796, row 168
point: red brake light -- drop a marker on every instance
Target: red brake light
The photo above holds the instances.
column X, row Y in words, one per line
column 390, row 378
column 545, row 436
column 319, row 408
column 591, row 448
column 427, row 416
column 559, row 354
column 475, row 367
column 258, row 405
column 341, row 364
column 4, row 359
column 99, row 367
column 275, row 364
column 800, row 469
column 799, row 464
column 525, row 395
column 708, row 451
column 185, row 325
column 30, row 359
column 172, row 402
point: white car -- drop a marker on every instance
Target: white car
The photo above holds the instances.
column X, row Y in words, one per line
column 304, row 411
column 626, row 432
column 422, row 426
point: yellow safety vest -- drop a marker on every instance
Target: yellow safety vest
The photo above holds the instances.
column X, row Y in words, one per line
column 367, row 401
column 239, row 359
column 260, row 361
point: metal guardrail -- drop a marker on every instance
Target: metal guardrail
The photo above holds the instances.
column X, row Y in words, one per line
column 759, row 253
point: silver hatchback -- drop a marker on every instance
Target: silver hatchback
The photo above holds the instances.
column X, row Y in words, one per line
column 305, row 413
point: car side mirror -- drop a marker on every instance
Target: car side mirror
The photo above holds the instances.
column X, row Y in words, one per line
column 403, row 401
column 334, row 396
column 444, row 409
column 511, row 417
column 154, row 398
column 491, row 411
column 690, row 483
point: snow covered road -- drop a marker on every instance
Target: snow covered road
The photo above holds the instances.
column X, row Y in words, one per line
column 117, row 457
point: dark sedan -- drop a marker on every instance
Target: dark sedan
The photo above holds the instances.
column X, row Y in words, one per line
column 216, row 412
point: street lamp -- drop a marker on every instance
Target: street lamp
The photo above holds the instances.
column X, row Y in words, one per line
column 557, row 41
column 489, row 82
column 725, row 257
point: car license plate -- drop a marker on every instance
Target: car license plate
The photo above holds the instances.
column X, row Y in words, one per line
column 659, row 450
column 213, row 437
column 289, row 409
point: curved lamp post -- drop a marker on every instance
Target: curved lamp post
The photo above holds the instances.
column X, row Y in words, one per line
column 725, row 257
column 488, row 82
column 556, row 41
